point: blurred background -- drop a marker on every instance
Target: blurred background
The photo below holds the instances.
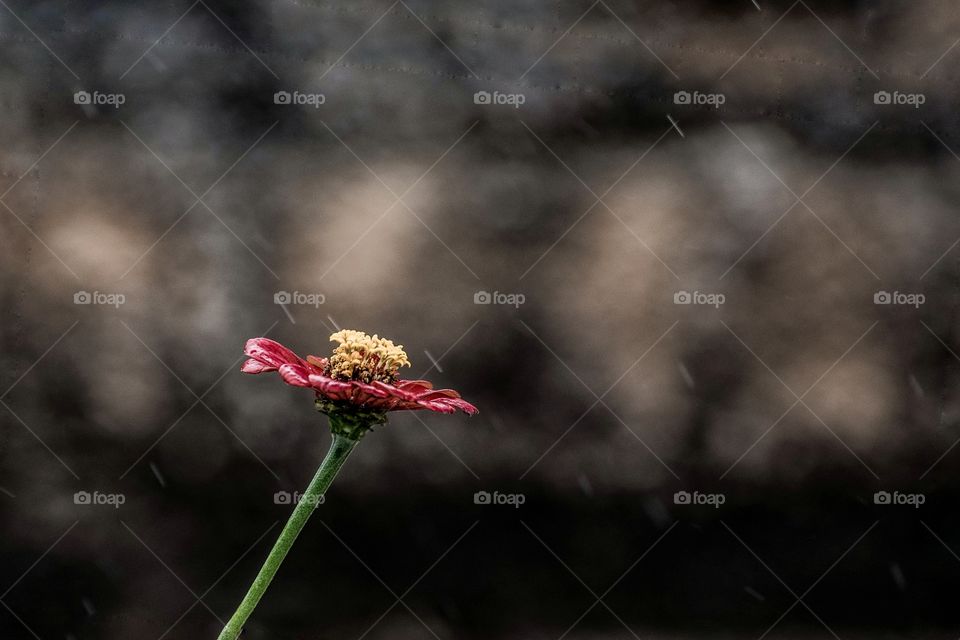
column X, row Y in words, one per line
column 695, row 262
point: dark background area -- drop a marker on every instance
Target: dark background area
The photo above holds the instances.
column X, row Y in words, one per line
column 199, row 198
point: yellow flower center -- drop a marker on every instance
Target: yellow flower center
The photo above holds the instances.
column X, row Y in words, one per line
column 365, row 358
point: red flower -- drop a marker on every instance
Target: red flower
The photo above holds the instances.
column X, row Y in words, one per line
column 362, row 373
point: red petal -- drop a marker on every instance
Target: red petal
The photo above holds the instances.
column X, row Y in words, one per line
column 426, row 384
column 252, row 366
column 295, row 374
column 464, row 406
column 328, row 386
column 319, row 363
column 438, row 407
column 270, row 353
column 439, row 393
column 408, row 393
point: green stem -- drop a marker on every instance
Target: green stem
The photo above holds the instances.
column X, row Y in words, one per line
column 340, row 448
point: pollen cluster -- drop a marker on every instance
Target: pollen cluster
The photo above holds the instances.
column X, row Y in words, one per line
column 365, row 358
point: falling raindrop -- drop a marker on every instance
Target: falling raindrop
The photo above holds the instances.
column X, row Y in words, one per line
column 898, row 576
column 915, row 385
column 159, row 476
column 585, row 485
column 754, row 593
column 656, row 511
column 685, row 373
column 158, row 64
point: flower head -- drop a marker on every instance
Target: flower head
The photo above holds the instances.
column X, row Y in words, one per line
column 358, row 384
column 360, row 357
